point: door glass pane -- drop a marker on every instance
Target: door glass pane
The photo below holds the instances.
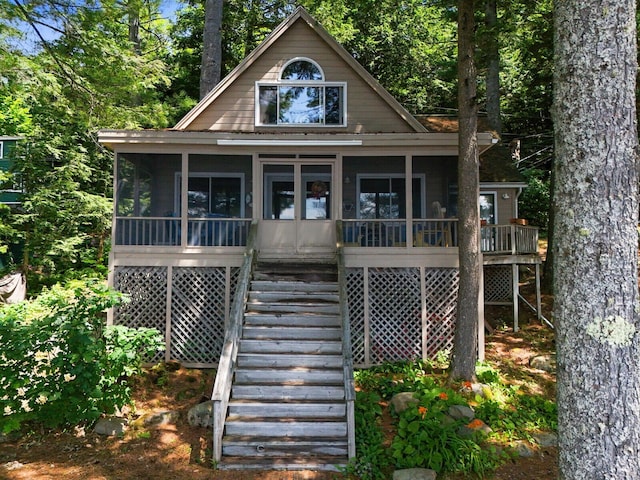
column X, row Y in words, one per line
column 488, row 207
column 278, row 192
column 317, row 187
column 282, row 198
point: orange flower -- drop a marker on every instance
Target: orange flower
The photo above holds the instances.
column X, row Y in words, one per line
column 475, row 424
column 422, row 411
column 467, row 385
column 443, row 396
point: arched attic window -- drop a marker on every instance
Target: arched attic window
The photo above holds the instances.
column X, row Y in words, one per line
column 301, row 97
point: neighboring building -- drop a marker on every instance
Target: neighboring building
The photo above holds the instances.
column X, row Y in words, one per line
column 302, row 141
column 12, row 194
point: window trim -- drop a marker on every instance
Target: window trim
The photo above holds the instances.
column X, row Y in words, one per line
column 301, row 59
column 1, row 149
column 300, row 83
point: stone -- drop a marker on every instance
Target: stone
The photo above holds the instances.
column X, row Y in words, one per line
column 523, row 449
column 414, row 474
column 546, row 439
column 546, row 363
column 111, row 426
column 461, row 412
column 402, row 401
column 156, row 419
column 201, row 415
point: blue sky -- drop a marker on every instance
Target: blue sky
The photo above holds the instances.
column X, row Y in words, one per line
column 31, row 41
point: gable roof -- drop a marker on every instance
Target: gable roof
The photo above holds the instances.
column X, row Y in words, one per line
column 300, row 14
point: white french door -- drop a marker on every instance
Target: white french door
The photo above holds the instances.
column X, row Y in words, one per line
column 297, row 208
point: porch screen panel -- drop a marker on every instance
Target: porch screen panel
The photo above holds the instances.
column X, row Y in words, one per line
column 441, row 294
column 395, row 314
column 144, row 198
column 147, row 289
column 198, row 311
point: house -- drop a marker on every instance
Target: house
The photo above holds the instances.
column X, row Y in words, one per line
column 297, row 138
column 10, row 194
column 296, row 161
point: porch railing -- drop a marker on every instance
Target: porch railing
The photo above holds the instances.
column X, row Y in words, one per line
column 509, row 239
column 228, row 356
column 167, row 231
column 393, row 233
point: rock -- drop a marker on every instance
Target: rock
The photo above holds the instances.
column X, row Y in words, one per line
column 461, row 412
column 14, row 465
column 545, row 363
column 546, row 439
column 414, row 474
column 523, row 449
column 402, row 401
column 156, row 419
column 111, row 426
column 201, row 415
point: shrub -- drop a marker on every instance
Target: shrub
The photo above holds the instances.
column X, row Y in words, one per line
column 428, row 438
column 371, row 457
column 60, row 364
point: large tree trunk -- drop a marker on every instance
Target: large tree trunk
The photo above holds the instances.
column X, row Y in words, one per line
column 493, row 66
column 596, row 242
column 211, row 67
column 465, row 348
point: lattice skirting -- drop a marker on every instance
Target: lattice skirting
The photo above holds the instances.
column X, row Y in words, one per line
column 401, row 313
column 498, row 284
column 189, row 305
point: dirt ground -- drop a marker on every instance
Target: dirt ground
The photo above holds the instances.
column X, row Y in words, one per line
column 181, row 452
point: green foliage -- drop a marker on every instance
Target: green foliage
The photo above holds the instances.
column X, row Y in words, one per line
column 519, row 416
column 535, row 201
column 371, row 457
column 427, row 436
column 60, row 364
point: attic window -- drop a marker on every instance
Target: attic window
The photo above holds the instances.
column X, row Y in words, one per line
column 301, row 97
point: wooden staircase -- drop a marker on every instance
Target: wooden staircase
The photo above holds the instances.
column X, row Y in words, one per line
column 287, row 408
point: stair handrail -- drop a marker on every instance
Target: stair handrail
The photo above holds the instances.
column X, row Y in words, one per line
column 347, row 354
column 226, row 366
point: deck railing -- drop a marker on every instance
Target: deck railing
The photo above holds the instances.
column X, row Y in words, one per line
column 229, row 354
column 509, row 239
column 166, row 231
column 393, row 233
column 349, row 386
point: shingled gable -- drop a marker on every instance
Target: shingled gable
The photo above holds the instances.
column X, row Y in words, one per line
column 230, row 105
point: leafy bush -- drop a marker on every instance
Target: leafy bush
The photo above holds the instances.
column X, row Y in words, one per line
column 371, row 457
column 60, row 365
column 429, row 438
column 426, row 436
column 534, row 202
